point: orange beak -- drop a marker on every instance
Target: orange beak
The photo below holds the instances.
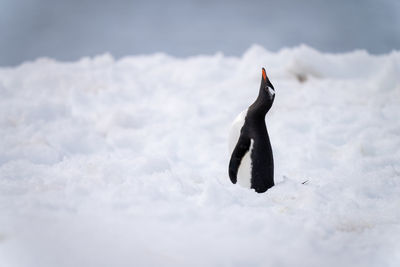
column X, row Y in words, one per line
column 264, row 74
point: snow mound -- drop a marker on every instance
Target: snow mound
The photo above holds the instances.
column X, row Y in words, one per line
column 108, row 162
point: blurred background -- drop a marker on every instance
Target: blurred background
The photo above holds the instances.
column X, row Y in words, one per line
column 70, row 29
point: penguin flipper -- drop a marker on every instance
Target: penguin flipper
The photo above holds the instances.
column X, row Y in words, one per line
column 241, row 148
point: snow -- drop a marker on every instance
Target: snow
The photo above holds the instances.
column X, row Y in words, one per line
column 124, row 163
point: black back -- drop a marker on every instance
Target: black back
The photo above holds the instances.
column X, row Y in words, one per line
column 254, row 128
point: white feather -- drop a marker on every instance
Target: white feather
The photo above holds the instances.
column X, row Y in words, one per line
column 245, row 167
column 244, row 171
column 234, row 133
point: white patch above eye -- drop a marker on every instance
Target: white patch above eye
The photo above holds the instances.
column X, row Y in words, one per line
column 271, row 91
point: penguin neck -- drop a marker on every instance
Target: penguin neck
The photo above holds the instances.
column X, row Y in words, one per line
column 261, row 106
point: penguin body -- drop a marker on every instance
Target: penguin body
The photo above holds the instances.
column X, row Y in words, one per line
column 251, row 164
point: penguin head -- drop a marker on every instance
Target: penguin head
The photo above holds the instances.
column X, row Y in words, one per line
column 267, row 88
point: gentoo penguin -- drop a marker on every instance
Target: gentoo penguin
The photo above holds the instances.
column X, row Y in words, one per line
column 252, row 163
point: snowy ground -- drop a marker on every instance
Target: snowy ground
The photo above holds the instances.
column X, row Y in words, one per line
column 124, row 163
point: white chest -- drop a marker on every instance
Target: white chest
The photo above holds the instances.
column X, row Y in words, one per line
column 234, row 133
column 244, row 171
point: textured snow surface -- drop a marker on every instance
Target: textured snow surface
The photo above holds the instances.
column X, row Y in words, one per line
column 124, row 163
